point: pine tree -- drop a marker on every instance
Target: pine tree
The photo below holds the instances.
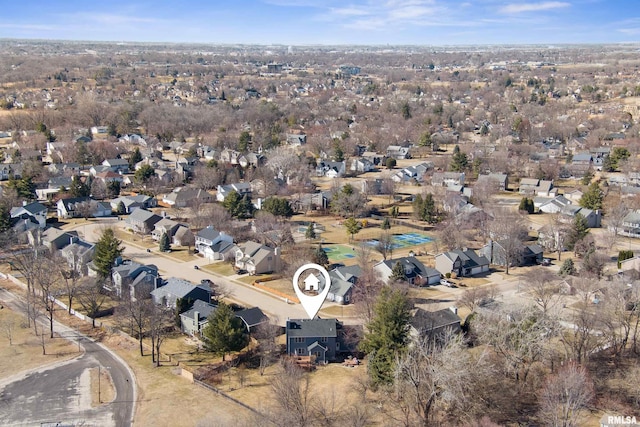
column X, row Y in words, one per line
column 135, row 157
column 568, row 268
column 353, row 226
column 225, row 332
column 387, row 334
column 5, row 217
column 593, row 197
column 320, row 256
column 278, row 207
column 526, row 205
column 121, row 210
column 107, row 249
column 459, row 161
column 579, row 229
column 397, row 273
column 165, row 244
column 79, row 188
column 386, row 225
column 310, row 233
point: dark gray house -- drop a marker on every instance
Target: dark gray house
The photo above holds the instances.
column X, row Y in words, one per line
column 434, row 324
column 194, row 320
column 526, row 254
column 134, row 279
column 142, row 221
column 316, row 337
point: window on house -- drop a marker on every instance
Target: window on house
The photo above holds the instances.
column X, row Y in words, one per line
column 299, row 351
column 299, row 339
column 323, row 339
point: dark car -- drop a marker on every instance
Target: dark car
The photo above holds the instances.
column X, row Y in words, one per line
column 196, row 267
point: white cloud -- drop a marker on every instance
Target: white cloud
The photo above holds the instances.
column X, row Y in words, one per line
column 350, row 11
column 515, row 8
column 630, row 31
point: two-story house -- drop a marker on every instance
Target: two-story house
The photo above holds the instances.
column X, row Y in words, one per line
column 242, row 188
column 462, row 263
column 131, row 203
column 185, row 196
column 173, row 288
column 317, row 338
column 142, row 221
column 34, row 210
column 213, row 244
column 77, row 207
column 415, row 271
column 257, row 259
column 133, row 280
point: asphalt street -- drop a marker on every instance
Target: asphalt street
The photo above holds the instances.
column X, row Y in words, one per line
column 61, row 392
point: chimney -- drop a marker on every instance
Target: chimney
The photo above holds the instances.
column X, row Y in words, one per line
column 196, row 317
column 24, row 203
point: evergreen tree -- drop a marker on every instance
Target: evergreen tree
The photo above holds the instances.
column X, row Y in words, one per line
column 568, row 268
column 353, row 226
column 579, row 229
column 424, row 208
column 144, row 174
column 182, row 305
column 386, row 225
column 390, row 163
column 225, row 332
column 338, row 152
column 278, row 207
column 5, row 217
column 397, row 273
column 79, row 188
column 244, row 141
column 113, row 188
column 624, row 255
column 165, row 244
column 593, row 197
column 121, row 210
column 310, row 233
column 135, row 157
column 25, row 188
column 526, row 205
column 107, row 249
column 459, row 161
column 320, row 256
column 238, row 206
column 387, row 334
column 406, row 110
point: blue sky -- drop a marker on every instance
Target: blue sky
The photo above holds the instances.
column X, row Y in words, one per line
column 328, row 22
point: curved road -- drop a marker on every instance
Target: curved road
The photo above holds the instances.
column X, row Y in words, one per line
column 59, row 393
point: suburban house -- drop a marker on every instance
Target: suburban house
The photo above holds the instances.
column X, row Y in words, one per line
column 52, row 238
column 416, row 272
column 447, row 179
column 296, row 139
column 398, row 152
column 36, row 212
column 134, row 279
column 317, row 338
column 173, row 288
column 593, row 217
column 75, row 208
column 537, row 187
column 134, row 202
column 415, row 173
column 331, row 169
column 78, row 253
column 165, row 226
column 10, row 170
column 257, row 259
column 251, row 159
column 195, row 319
column 361, row 165
column 185, row 196
column 499, row 180
column 462, row 263
column 551, row 205
column 252, row 318
column 342, row 281
column 117, row 165
column 213, row 244
column 526, row 254
column 433, row 324
column 631, row 224
column 241, row 188
column 142, row 221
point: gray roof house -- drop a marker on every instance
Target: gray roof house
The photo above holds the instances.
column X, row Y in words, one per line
column 184, row 196
column 434, row 324
column 252, row 317
column 317, row 338
column 134, row 202
column 174, row 288
column 448, row 179
column 138, row 280
column 34, row 210
column 257, row 259
column 461, row 263
column 631, row 224
column 527, row 254
column 73, row 208
column 241, row 188
column 500, row 180
column 342, row 281
column 142, row 221
column 417, row 273
column 213, row 244
column 117, row 165
column 195, row 319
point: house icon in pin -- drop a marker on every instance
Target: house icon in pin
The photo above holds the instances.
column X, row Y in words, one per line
column 311, row 283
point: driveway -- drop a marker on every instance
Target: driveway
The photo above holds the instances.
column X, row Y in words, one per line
column 61, row 392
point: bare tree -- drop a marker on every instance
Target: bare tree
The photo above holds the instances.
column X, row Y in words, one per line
column 508, row 228
column 160, row 323
column 267, row 353
column 48, row 285
column 8, row 326
column 291, row 390
column 367, row 286
column 474, row 297
column 565, row 396
column 136, row 314
column 544, row 287
column 385, row 244
column 91, row 298
column 69, row 271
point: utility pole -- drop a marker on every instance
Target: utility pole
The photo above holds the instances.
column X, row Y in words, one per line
column 99, row 397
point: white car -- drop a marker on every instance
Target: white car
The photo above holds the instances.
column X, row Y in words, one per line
column 445, row 282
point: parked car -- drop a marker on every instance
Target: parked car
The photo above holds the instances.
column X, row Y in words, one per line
column 196, row 267
column 445, row 282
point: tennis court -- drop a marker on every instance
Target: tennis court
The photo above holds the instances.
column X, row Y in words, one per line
column 339, row 252
column 405, row 240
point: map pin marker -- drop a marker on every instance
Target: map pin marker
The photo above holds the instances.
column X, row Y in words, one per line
column 311, row 303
